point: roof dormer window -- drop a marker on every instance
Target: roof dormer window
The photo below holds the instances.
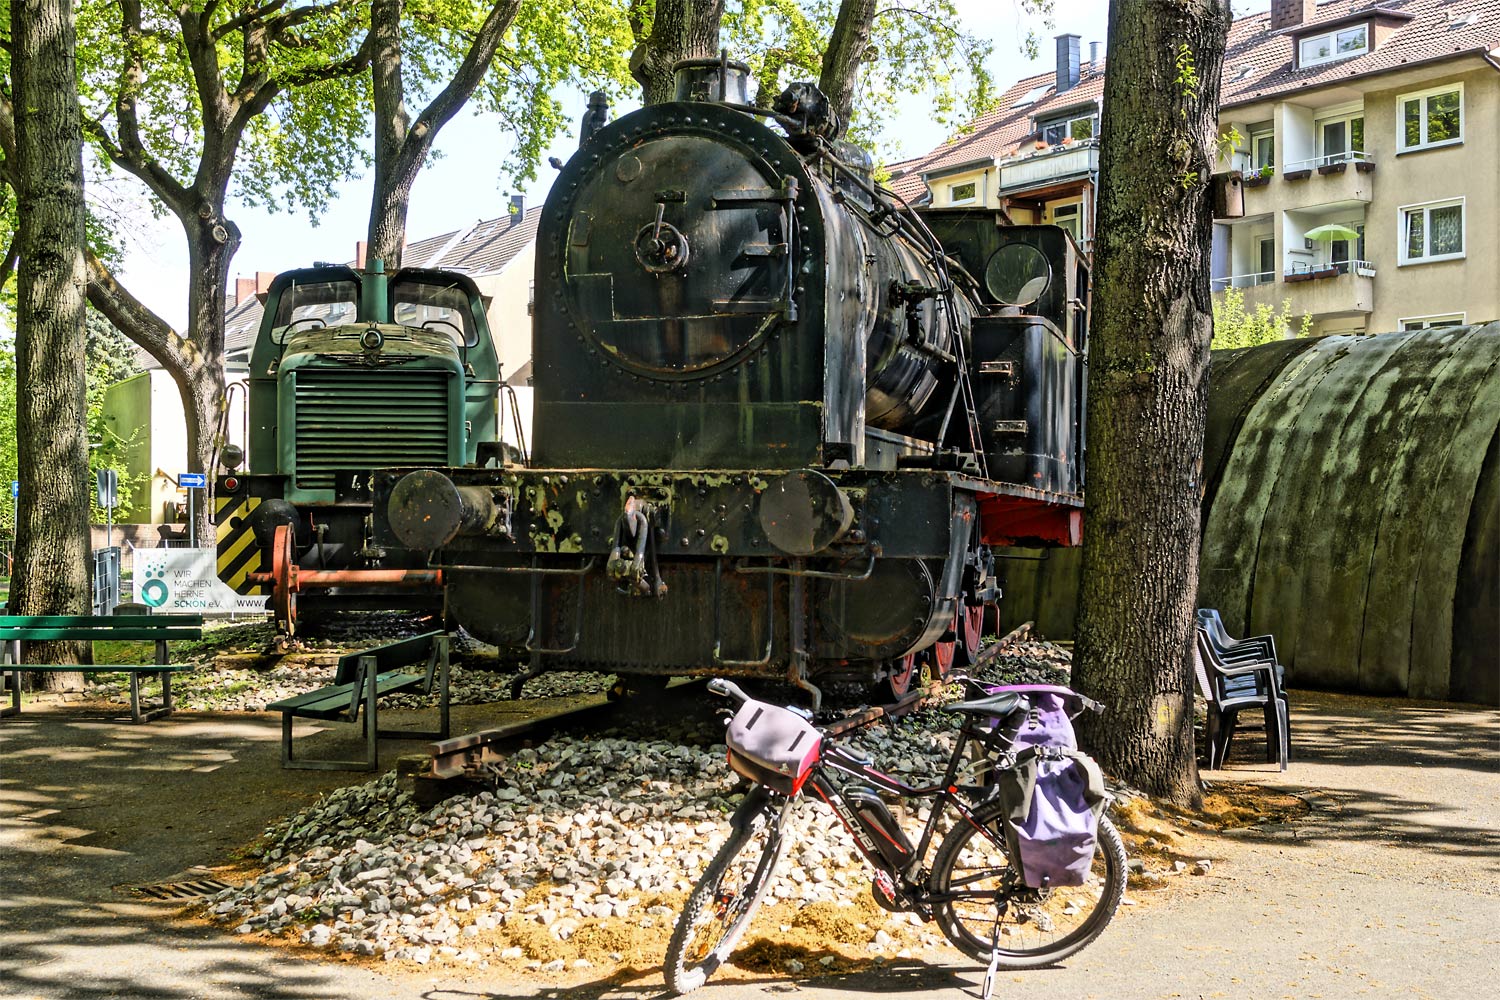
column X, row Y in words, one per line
column 1312, row 50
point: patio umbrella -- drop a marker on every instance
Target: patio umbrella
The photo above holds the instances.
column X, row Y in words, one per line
column 1331, row 233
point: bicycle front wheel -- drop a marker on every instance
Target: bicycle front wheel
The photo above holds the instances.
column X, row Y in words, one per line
column 1037, row 927
column 722, row 903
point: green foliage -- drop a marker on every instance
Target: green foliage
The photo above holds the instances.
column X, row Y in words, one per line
column 275, row 168
column 915, row 47
column 109, row 358
column 1235, row 326
column 549, row 49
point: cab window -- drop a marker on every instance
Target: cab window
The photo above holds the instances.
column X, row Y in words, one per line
column 435, row 306
column 329, row 303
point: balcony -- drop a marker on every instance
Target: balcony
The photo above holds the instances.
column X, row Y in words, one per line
column 1322, row 291
column 1340, row 178
column 1050, row 166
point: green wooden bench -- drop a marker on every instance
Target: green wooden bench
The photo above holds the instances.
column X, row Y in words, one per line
column 160, row 629
column 362, row 678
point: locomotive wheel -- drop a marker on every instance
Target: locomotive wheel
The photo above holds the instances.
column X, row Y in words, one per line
column 898, row 680
column 970, row 629
column 284, row 579
column 943, row 655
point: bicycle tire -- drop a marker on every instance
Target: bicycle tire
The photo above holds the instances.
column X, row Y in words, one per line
column 689, row 962
column 1030, row 918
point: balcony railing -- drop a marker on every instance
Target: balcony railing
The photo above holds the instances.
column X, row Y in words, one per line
column 1243, row 280
column 1310, row 272
column 1348, row 156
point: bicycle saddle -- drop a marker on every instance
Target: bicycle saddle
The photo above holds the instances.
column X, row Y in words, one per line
column 1001, row 704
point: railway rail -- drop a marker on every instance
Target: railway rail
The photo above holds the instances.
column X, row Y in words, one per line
column 451, row 766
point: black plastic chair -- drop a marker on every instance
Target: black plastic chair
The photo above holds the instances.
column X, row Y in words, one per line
column 1229, row 687
column 1232, row 650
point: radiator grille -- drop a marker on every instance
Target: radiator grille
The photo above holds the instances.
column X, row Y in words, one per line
column 355, row 421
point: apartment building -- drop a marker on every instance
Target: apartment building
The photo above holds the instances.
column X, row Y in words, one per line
column 1035, row 157
column 1369, row 147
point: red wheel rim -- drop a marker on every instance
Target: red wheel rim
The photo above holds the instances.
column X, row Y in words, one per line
column 972, row 627
column 943, row 654
column 899, row 679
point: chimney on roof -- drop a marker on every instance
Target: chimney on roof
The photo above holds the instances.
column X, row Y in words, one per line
column 1067, row 62
column 517, row 208
column 263, row 281
column 1094, row 55
column 1290, row 13
column 243, row 289
column 360, row 246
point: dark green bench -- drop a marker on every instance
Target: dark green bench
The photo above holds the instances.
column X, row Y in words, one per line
column 160, row 629
column 362, row 678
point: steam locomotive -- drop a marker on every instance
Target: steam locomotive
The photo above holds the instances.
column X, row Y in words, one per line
column 780, row 418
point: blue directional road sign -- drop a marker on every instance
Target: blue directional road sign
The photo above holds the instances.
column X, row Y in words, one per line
column 193, row 481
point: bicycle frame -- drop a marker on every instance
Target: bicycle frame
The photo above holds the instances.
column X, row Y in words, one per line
column 945, row 793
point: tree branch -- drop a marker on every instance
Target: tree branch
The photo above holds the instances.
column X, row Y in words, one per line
column 8, row 265
column 475, row 65
column 131, row 317
column 248, row 17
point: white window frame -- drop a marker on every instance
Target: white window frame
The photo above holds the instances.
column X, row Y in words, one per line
column 1425, row 322
column 1422, row 95
column 1076, row 216
column 1402, row 260
column 972, row 199
column 1347, row 117
column 1067, row 124
column 1255, row 140
column 1333, row 43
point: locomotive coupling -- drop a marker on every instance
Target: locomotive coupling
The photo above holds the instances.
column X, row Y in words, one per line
column 427, row 510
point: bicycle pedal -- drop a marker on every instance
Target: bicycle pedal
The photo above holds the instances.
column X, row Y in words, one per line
column 883, row 884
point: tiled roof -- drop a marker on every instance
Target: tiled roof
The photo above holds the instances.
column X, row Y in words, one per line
column 1257, row 66
column 490, row 245
column 1002, row 132
column 1438, row 29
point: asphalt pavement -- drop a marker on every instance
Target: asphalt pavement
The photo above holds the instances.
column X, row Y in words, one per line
column 1388, row 887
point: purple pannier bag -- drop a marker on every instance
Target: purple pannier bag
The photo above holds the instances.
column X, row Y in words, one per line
column 1054, row 795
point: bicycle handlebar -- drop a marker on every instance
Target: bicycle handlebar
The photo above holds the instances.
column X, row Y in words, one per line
column 727, row 689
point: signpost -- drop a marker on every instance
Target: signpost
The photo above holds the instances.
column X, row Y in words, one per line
column 109, row 498
column 192, row 482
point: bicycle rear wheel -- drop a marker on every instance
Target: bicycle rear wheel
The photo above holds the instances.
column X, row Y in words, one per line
column 1038, row 927
column 719, row 910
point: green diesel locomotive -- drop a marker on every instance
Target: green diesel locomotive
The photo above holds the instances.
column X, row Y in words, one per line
column 351, row 371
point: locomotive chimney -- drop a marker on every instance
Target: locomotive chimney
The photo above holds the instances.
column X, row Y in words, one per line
column 1067, row 63
column 712, row 81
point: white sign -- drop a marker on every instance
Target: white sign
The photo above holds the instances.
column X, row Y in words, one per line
column 185, row 580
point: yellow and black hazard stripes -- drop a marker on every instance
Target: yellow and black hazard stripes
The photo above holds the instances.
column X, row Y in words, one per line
column 239, row 556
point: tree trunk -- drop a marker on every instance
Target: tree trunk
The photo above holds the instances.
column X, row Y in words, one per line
column 402, row 145
column 846, row 51
column 51, row 573
column 680, row 29
column 391, row 197
column 210, row 249
column 1148, row 379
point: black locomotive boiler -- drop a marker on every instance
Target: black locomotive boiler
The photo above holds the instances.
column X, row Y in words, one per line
column 780, row 418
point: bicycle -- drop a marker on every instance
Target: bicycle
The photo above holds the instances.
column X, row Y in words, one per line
column 973, row 890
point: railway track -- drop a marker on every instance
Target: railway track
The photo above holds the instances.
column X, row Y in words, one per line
column 455, row 765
